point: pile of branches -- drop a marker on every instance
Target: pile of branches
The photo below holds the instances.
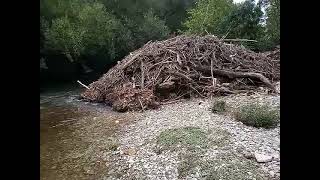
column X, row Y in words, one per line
column 180, row 67
column 275, row 54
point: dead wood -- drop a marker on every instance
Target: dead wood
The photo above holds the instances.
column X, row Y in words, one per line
column 183, row 66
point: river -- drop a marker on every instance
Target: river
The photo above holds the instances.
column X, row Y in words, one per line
column 75, row 136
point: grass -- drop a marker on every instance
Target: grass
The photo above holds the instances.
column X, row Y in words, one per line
column 188, row 162
column 218, row 106
column 186, row 137
column 231, row 167
column 191, row 143
column 223, row 166
column 258, row 116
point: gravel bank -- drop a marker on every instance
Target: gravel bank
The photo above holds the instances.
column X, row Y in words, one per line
column 137, row 158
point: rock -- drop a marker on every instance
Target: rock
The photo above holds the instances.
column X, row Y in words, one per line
column 248, row 155
column 129, row 152
column 276, row 157
column 272, row 174
column 116, row 121
column 261, row 158
column 88, row 170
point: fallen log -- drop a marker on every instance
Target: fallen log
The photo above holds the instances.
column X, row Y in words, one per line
column 233, row 75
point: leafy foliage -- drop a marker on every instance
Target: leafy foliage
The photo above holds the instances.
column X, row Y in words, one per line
column 88, row 29
column 243, row 21
column 109, row 29
column 64, row 36
column 173, row 12
column 273, row 21
column 207, row 15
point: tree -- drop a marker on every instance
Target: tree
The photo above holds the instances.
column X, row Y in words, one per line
column 90, row 30
column 173, row 12
column 152, row 28
column 273, row 21
column 65, row 37
column 207, row 15
column 244, row 22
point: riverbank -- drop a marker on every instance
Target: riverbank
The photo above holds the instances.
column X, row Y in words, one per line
column 98, row 143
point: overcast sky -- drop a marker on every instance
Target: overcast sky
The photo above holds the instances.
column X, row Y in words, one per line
column 238, row 1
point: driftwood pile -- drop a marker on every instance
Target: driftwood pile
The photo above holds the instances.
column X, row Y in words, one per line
column 275, row 54
column 181, row 67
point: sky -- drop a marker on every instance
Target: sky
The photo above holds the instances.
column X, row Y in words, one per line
column 238, row 1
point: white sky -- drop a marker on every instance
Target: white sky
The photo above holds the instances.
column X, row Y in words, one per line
column 238, row 1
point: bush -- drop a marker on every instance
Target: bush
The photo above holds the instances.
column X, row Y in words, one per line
column 257, row 116
column 218, row 107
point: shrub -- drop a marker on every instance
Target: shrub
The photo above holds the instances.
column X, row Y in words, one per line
column 257, row 116
column 218, row 107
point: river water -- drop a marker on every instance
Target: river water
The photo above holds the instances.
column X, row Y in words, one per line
column 75, row 136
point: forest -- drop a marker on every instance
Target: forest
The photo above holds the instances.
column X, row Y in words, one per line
column 82, row 39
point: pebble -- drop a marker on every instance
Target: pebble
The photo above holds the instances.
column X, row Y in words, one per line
column 148, row 125
column 276, row 157
column 248, row 155
column 88, row 170
column 272, row 174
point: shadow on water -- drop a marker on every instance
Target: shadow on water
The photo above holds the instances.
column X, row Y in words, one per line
column 73, row 137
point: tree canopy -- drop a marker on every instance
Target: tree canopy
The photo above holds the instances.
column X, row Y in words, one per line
column 110, row 29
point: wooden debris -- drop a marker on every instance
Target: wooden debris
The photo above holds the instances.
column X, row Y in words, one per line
column 185, row 66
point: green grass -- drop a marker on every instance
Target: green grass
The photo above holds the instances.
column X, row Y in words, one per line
column 188, row 162
column 218, row 107
column 231, row 167
column 258, row 116
column 186, row 137
column 191, row 143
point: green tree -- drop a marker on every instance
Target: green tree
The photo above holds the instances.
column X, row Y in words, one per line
column 90, row 30
column 152, row 28
column 65, row 37
column 273, row 21
column 244, row 21
column 207, row 15
column 173, row 12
